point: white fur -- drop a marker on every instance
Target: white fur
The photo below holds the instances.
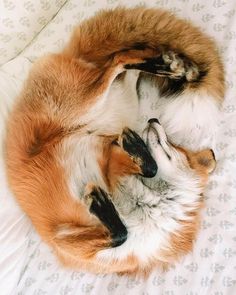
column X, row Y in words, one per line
column 79, row 159
column 149, row 227
column 189, row 119
column 115, row 110
column 150, row 208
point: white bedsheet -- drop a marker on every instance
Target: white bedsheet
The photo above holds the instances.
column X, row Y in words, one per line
column 27, row 266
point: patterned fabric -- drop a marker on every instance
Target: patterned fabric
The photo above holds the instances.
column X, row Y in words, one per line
column 28, row 267
column 21, row 21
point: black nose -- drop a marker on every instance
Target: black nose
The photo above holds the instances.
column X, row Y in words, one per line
column 149, row 168
column 153, row 120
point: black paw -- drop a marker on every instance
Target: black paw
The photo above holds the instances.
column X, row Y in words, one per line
column 169, row 64
column 133, row 144
column 181, row 66
column 104, row 209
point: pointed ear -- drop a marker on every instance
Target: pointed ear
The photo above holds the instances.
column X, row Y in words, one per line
column 205, row 160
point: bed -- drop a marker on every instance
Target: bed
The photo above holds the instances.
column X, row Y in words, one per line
column 29, row 29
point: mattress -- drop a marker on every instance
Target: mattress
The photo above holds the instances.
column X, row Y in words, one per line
column 29, row 29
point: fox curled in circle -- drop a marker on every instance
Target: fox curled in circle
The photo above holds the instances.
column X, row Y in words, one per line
column 76, row 166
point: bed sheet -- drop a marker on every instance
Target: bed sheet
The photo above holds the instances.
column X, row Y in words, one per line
column 21, row 21
column 27, row 266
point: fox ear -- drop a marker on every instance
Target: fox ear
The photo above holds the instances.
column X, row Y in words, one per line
column 206, row 160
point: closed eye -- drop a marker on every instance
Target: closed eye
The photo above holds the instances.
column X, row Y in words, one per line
column 159, row 142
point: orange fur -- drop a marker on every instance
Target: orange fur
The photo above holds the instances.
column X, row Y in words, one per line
column 61, row 88
column 116, row 163
column 36, row 130
column 41, row 189
column 203, row 162
column 181, row 242
column 153, row 28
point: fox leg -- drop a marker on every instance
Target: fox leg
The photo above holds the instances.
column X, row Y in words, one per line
column 133, row 144
column 83, row 240
column 163, row 64
column 91, row 226
column 131, row 156
column 102, row 206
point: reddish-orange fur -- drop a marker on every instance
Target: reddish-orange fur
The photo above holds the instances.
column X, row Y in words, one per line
column 62, row 87
column 34, row 141
column 153, row 28
column 181, row 242
column 116, row 163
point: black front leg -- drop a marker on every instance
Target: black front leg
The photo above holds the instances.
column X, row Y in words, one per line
column 133, row 144
column 103, row 208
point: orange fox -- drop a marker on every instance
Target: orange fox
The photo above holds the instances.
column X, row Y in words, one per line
column 72, row 126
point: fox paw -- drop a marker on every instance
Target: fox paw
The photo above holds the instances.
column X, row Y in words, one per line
column 101, row 205
column 133, row 144
column 181, row 66
column 168, row 64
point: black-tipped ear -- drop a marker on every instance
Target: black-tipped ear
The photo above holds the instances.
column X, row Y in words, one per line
column 213, row 154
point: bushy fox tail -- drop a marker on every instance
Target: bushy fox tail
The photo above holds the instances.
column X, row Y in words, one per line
column 99, row 38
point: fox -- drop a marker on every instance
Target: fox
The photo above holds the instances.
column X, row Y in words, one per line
column 162, row 213
column 72, row 150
